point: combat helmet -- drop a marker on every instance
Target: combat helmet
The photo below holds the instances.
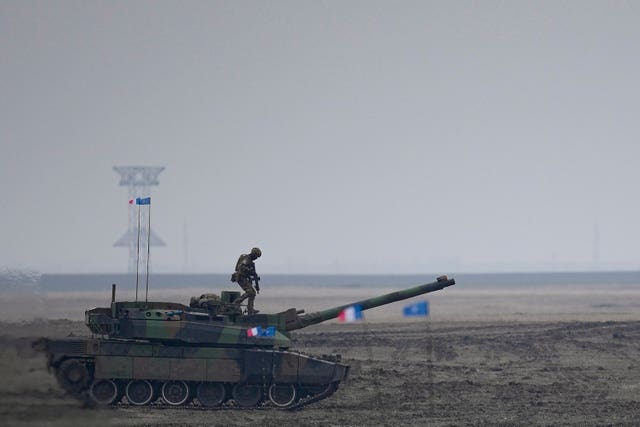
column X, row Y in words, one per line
column 256, row 253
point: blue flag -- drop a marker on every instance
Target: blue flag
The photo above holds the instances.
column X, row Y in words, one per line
column 269, row 332
column 420, row 308
column 141, row 201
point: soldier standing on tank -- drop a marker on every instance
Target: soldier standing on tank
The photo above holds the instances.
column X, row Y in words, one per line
column 245, row 274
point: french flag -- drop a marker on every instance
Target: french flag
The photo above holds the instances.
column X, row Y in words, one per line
column 254, row 332
column 351, row 314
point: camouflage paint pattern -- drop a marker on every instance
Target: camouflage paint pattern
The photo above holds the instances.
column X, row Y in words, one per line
column 203, row 344
column 114, row 359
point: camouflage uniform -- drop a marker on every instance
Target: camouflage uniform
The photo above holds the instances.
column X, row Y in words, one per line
column 245, row 274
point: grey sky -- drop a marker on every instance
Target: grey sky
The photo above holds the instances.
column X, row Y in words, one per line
column 351, row 137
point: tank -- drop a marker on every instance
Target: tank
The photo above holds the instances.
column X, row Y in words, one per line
column 205, row 354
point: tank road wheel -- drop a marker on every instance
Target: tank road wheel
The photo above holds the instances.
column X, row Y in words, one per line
column 211, row 394
column 176, row 392
column 247, row 395
column 73, row 375
column 282, row 395
column 105, row 392
column 139, row 392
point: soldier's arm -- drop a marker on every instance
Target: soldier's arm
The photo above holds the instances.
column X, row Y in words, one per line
column 247, row 268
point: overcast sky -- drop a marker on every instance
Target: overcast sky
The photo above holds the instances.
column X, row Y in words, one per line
column 339, row 137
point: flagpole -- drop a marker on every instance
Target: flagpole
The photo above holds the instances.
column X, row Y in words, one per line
column 429, row 342
column 146, row 297
column 138, row 257
column 430, row 354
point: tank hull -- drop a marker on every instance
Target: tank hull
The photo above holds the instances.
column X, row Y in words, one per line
column 208, row 353
column 103, row 371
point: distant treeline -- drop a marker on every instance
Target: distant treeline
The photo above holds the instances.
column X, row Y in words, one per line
column 216, row 282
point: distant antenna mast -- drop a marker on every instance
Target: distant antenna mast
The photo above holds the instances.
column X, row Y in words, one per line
column 138, row 179
column 146, row 295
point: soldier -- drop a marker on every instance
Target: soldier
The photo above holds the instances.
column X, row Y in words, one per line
column 244, row 275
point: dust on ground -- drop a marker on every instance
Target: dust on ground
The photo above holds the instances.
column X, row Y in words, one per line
column 418, row 373
column 567, row 357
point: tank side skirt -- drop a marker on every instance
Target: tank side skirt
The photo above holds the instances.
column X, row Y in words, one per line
column 123, row 360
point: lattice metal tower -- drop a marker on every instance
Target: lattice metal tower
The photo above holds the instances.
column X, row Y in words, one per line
column 138, row 179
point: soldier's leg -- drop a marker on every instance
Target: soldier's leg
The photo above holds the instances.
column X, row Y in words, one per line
column 251, row 294
column 240, row 298
column 250, row 308
column 245, row 284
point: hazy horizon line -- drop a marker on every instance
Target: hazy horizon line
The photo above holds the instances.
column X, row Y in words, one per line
column 602, row 271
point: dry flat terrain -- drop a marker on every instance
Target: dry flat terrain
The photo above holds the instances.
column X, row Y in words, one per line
column 534, row 373
column 497, row 358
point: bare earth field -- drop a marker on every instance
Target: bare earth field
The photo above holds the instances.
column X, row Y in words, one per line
column 543, row 357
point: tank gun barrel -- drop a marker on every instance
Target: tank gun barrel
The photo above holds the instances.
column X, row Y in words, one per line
column 331, row 313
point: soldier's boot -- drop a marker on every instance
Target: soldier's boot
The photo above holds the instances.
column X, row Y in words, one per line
column 250, row 309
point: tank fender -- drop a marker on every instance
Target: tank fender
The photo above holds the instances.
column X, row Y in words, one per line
column 317, row 371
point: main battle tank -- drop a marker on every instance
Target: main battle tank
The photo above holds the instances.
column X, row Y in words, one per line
column 209, row 350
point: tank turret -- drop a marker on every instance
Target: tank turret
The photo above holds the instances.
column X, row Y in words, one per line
column 206, row 353
column 216, row 321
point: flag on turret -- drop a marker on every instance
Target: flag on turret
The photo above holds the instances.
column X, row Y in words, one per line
column 254, row 332
column 258, row 331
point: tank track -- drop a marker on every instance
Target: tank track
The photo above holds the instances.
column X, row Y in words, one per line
column 263, row 406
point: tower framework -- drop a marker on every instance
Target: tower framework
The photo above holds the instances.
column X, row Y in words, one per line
column 138, row 180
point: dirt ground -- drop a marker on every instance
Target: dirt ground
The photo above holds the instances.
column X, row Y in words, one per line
column 568, row 363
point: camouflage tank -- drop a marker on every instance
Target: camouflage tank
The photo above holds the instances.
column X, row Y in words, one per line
column 206, row 354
